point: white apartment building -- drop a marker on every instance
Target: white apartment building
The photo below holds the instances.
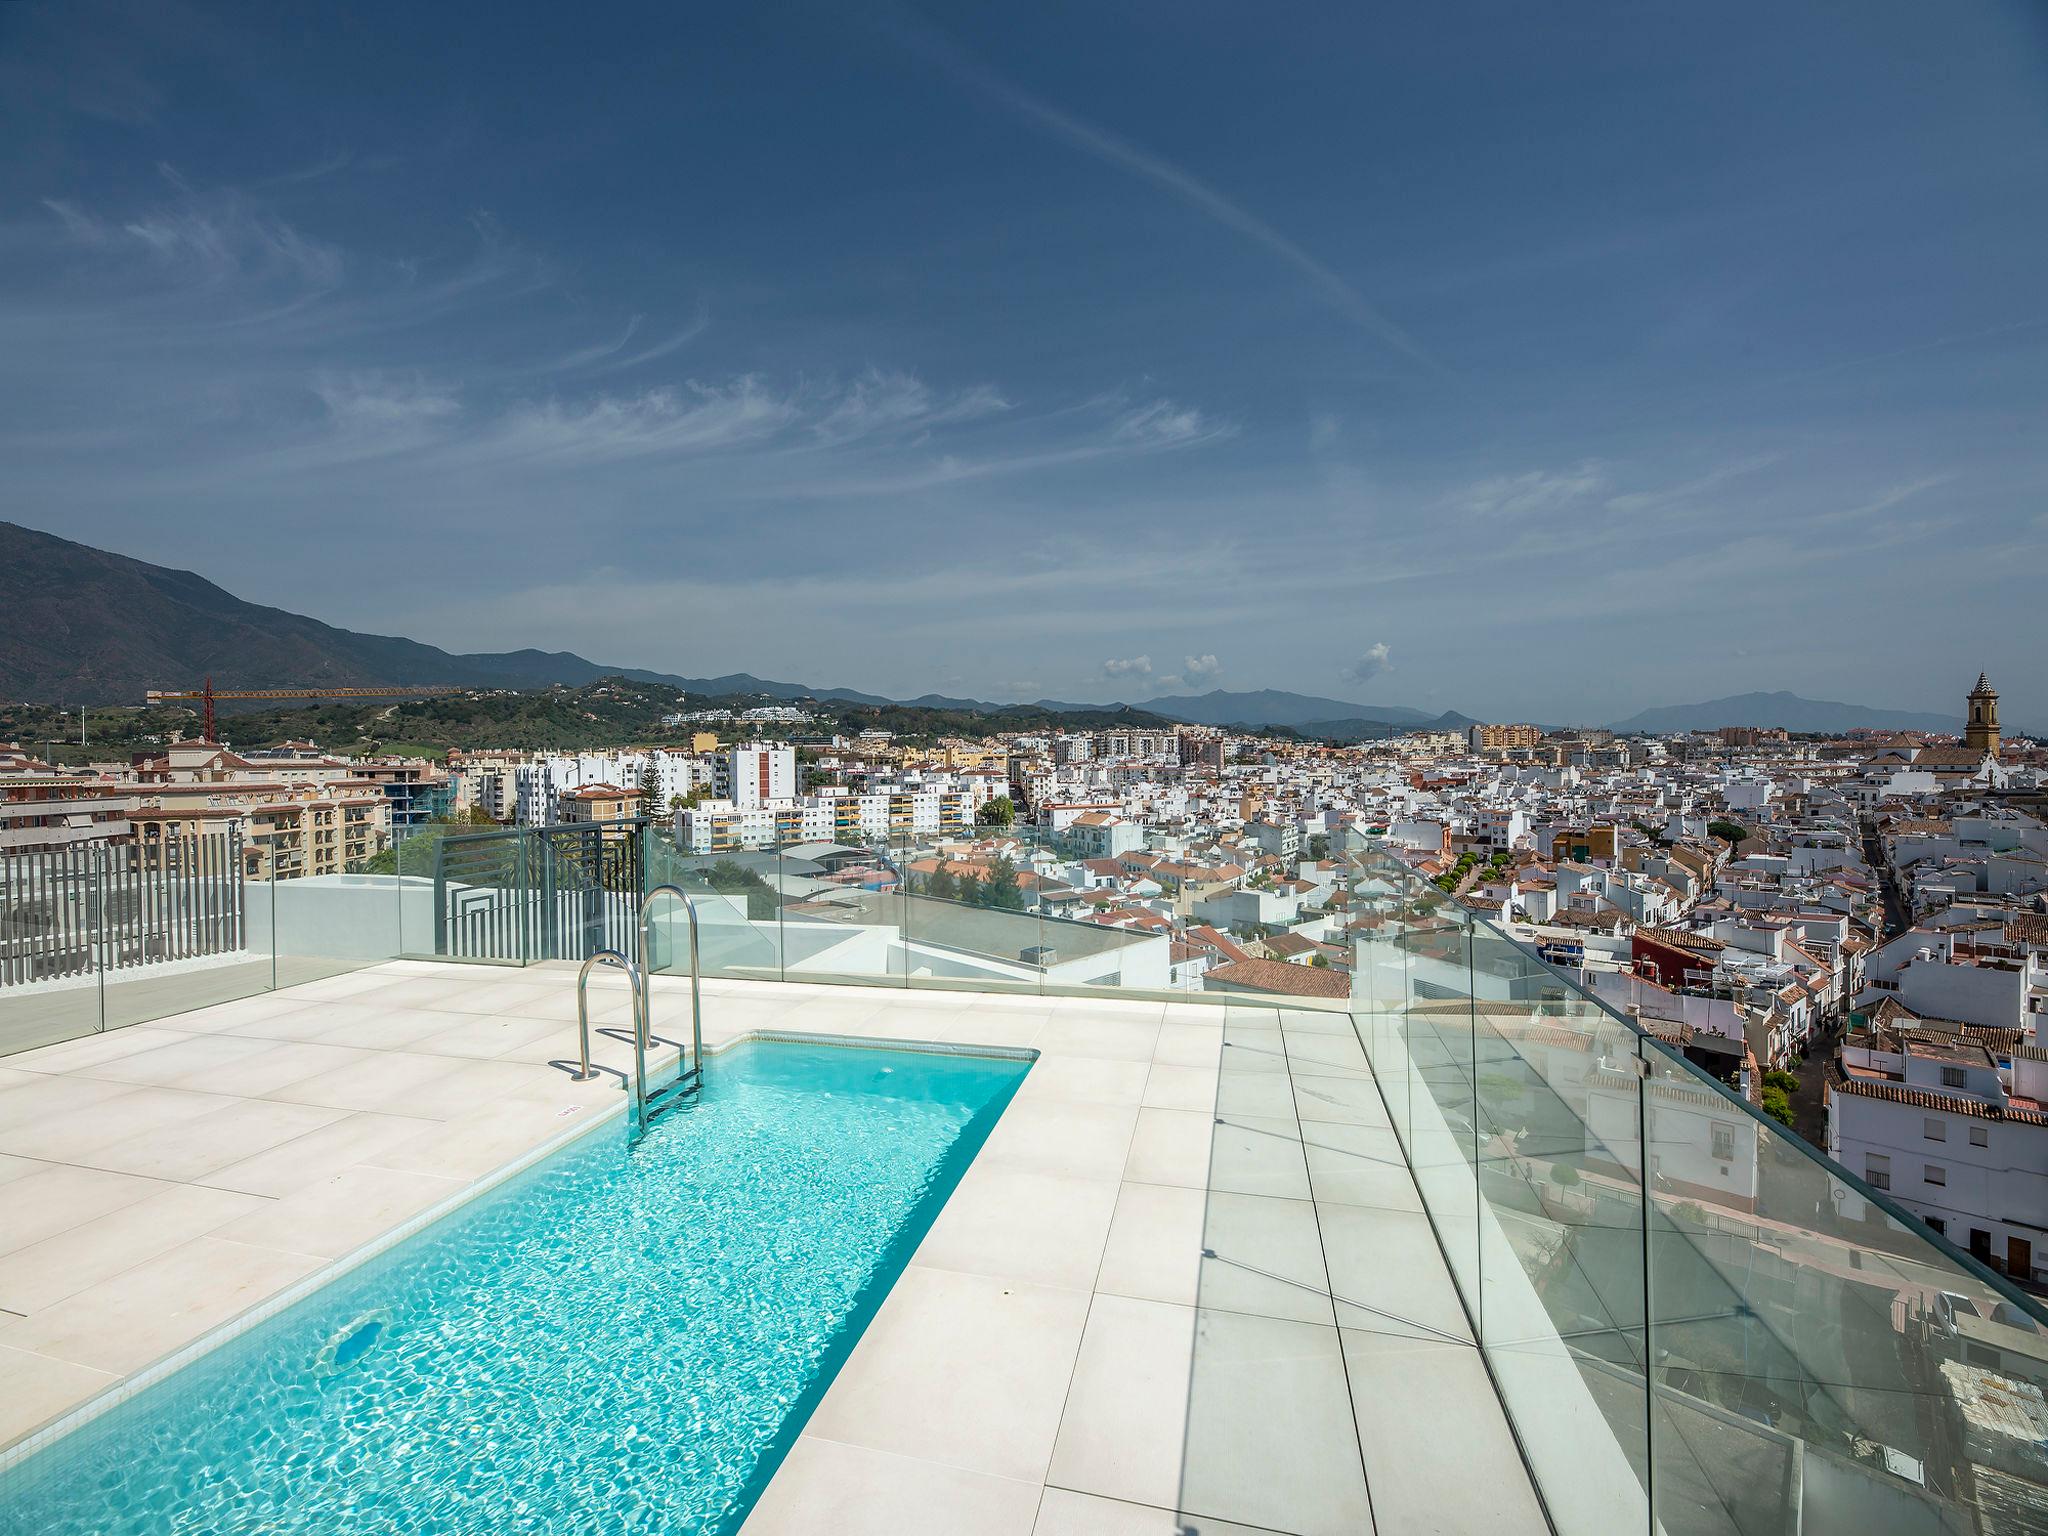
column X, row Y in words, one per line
column 1954, row 1129
column 830, row 816
column 754, row 775
column 538, row 785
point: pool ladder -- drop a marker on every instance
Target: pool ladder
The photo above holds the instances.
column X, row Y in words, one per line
column 648, row 1102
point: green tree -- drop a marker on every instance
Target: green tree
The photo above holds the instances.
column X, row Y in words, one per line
column 942, row 885
column 969, row 890
column 415, row 855
column 1778, row 1107
column 650, row 790
column 999, row 812
column 1730, row 832
column 1001, row 889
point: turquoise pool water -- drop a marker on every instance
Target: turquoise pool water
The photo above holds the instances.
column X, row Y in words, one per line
column 624, row 1338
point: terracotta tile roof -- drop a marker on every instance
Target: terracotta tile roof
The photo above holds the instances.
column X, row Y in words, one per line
column 1279, row 976
column 1840, row 1081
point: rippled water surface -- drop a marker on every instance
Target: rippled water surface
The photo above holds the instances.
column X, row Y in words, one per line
column 622, row 1339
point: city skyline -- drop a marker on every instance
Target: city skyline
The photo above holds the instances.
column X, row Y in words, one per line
column 1380, row 368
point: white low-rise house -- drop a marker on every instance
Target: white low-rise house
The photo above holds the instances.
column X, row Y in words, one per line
column 1952, row 1125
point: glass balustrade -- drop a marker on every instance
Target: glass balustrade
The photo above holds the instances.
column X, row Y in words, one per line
column 1695, row 1321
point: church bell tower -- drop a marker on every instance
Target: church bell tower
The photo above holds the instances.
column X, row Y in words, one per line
column 1982, row 732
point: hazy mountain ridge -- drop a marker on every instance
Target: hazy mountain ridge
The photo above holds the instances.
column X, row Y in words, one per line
column 80, row 625
column 1787, row 711
column 1275, row 706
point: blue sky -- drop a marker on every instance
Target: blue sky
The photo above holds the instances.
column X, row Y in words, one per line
column 1528, row 361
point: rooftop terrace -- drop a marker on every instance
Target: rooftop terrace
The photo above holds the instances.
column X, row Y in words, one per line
column 1458, row 1251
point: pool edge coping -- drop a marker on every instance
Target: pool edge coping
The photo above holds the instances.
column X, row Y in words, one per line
column 104, row 1401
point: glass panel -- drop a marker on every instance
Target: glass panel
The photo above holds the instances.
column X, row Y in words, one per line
column 970, row 915
column 1436, row 951
column 739, row 893
column 323, row 925
column 49, row 952
column 1818, row 1357
column 1561, row 1229
column 176, row 930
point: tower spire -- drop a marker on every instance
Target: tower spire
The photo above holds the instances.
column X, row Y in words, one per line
column 1981, row 733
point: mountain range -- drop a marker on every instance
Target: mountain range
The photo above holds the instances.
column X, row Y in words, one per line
column 80, row 625
column 1784, row 711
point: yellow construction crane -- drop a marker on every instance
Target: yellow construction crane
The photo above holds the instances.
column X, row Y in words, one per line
column 209, row 693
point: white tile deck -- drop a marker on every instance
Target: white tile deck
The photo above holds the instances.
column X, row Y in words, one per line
column 1061, row 1356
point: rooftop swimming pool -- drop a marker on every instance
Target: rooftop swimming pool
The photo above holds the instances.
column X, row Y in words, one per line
column 625, row 1337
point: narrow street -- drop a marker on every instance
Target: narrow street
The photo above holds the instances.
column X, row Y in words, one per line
column 1896, row 919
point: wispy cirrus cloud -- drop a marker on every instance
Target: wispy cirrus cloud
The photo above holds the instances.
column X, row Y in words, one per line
column 889, row 400
column 1689, row 490
column 1172, row 179
column 1533, row 491
column 696, row 418
column 213, row 237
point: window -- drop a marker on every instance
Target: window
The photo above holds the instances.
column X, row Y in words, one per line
column 1935, row 1174
column 1877, row 1169
column 1933, row 1129
column 1938, row 1224
column 1954, row 1077
column 1724, row 1142
column 1980, row 1136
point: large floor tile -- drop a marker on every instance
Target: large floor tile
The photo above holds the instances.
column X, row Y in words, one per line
column 1266, row 1095
column 132, row 1111
column 1471, row 1483
column 54, row 1197
column 1099, row 1034
column 962, row 1369
column 496, row 1132
column 483, row 1037
column 1154, row 1252
column 1387, row 1273
column 1259, row 1155
column 1348, row 1100
column 1264, row 1255
column 409, row 1083
column 318, row 1154
column 1086, row 1080
column 1122, row 1434
column 1050, row 1136
column 1327, row 1055
column 1171, row 1146
column 1065, row 1513
column 90, row 1055
column 1358, row 1165
column 342, row 1212
column 1270, row 1439
column 190, row 1149
column 1174, row 1087
column 144, row 1313
column 1189, row 1045
column 850, row 1490
column 176, row 1063
column 1045, row 1228
column 28, row 1100
column 35, row 1389
column 80, row 1257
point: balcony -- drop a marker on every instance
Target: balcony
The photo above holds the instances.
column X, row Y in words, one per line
column 1463, row 1251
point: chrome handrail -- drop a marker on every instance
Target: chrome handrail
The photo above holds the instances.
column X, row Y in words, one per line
column 602, row 957
column 646, row 952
